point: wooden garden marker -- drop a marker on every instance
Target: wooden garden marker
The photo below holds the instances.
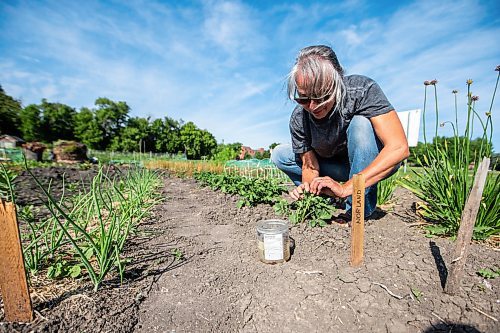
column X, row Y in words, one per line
column 358, row 220
column 13, row 284
column 467, row 222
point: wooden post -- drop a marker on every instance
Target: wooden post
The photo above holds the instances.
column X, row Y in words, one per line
column 358, row 220
column 466, row 229
column 13, row 283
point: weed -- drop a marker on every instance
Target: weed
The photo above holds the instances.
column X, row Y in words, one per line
column 417, row 293
column 178, row 255
column 489, row 273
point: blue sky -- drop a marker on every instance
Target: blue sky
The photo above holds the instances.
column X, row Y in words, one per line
column 223, row 64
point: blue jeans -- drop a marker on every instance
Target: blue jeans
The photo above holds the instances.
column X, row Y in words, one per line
column 363, row 146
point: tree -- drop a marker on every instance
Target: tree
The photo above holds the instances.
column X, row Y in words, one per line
column 135, row 136
column 196, row 142
column 475, row 147
column 111, row 118
column 10, row 110
column 226, row 152
column 273, row 145
column 165, row 135
column 262, row 155
column 87, row 129
column 58, row 121
column 31, row 128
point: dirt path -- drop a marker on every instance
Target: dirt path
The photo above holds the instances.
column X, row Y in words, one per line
column 222, row 287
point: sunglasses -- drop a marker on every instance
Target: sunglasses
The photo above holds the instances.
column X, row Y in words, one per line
column 305, row 100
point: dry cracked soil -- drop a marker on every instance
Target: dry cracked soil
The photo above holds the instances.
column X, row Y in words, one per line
column 195, row 268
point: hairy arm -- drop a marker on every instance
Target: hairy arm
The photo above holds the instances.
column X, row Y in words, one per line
column 310, row 166
column 310, row 171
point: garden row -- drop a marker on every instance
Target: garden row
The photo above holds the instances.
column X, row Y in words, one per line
column 84, row 234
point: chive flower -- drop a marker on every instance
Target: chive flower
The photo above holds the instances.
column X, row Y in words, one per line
column 475, row 98
column 454, row 91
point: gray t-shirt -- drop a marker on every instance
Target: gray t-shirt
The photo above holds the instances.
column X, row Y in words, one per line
column 328, row 136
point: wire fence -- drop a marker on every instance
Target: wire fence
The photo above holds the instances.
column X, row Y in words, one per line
column 246, row 168
column 255, row 168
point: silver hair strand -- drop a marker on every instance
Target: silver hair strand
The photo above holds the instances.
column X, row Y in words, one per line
column 320, row 67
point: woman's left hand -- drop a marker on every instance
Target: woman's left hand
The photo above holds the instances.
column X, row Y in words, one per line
column 327, row 186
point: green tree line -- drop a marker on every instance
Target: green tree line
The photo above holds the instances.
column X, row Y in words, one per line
column 108, row 126
column 417, row 153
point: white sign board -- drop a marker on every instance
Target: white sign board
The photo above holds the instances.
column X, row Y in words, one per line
column 411, row 125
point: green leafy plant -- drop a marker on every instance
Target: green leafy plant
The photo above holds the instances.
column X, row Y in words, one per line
column 489, row 273
column 314, row 209
column 62, row 268
column 252, row 191
column 446, row 180
column 178, row 255
column 417, row 293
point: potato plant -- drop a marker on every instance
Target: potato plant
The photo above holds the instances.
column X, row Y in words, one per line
column 314, row 209
column 252, row 191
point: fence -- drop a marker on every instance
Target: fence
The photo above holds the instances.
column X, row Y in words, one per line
column 11, row 154
column 255, row 168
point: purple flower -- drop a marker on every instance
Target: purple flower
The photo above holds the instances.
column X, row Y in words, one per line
column 433, row 82
column 426, row 83
column 474, row 98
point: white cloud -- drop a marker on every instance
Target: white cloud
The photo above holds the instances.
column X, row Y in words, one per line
column 231, row 26
column 223, row 64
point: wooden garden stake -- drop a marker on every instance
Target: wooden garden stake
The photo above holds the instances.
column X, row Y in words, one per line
column 13, row 283
column 466, row 228
column 358, row 220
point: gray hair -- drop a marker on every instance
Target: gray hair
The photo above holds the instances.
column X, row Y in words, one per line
column 321, row 69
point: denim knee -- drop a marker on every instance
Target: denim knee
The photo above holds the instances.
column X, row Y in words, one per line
column 285, row 159
column 361, row 134
column 280, row 154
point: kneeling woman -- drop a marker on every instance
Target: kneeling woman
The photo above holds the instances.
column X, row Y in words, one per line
column 342, row 125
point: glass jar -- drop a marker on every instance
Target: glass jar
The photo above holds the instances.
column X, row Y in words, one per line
column 273, row 241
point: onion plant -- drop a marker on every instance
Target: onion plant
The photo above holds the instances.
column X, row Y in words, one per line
column 446, row 180
column 97, row 223
column 6, row 183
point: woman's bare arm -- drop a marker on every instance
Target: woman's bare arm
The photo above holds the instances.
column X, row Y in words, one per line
column 395, row 149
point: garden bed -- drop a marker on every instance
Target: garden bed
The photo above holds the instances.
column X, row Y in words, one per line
column 195, row 269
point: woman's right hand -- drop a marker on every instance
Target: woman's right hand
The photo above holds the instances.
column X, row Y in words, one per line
column 297, row 192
